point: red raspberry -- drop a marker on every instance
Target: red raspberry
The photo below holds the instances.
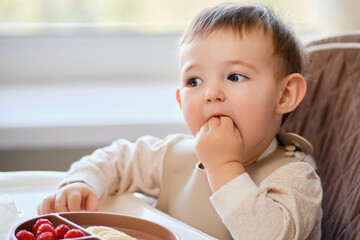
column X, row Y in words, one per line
column 45, row 236
column 74, row 233
column 38, row 223
column 46, row 228
column 25, row 235
column 61, row 230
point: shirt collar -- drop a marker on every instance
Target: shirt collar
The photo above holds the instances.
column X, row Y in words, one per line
column 269, row 150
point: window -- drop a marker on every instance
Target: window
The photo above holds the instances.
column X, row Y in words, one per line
column 113, row 40
column 72, row 68
column 136, row 16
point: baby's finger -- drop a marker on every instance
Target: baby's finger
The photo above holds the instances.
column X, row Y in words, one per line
column 60, row 203
column 74, row 201
column 237, row 132
column 46, row 206
column 203, row 130
column 226, row 122
column 205, row 127
column 92, row 202
column 38, row 211
column 238, row 135
column 214, row 122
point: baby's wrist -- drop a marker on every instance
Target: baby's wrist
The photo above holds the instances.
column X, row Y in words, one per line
column 223, row 174
column 72, row 182
column 228, row 167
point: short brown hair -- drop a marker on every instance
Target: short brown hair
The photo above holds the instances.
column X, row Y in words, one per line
column 240, row 17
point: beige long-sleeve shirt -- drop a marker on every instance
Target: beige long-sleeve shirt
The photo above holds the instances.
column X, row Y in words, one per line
column 287, row 204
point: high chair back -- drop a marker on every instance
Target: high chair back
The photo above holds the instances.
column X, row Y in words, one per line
column 329, row 117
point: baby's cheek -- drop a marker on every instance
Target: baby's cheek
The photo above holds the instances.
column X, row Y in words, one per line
column 248, row 124
column 193, row 124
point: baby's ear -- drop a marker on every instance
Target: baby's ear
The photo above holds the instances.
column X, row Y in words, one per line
column 178, row 96
column 293, row 89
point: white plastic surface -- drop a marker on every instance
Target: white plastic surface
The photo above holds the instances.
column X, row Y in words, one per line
column 27, row 189
column 8, row 211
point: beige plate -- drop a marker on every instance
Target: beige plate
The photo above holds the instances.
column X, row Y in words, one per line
column 135, row 227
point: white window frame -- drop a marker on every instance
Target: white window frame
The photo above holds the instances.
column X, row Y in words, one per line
column 53, row 59
column 87, row 57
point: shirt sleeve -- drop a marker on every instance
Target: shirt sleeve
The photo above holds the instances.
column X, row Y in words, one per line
column 287, row 204
column 124, row 166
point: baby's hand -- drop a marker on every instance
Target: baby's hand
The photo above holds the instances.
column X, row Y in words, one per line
column 218, row 142
column 73, row 197
column 219, row 147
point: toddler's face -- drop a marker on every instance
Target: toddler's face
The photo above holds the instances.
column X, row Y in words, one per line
column 223, row 74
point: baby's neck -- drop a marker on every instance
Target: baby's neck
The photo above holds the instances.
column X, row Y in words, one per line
column 271, row 148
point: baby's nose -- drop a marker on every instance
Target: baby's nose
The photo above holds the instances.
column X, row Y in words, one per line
column 214, row 94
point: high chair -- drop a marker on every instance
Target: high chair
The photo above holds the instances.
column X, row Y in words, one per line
column 329, row 117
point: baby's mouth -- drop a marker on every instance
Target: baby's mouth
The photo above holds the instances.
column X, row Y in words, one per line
column 218, row 115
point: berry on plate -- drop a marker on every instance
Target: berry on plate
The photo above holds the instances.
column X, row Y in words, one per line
column 46, row 228
column 61, row 230
column 40, row 222
column 74, row 233
column 45, row 236
column 24, row 235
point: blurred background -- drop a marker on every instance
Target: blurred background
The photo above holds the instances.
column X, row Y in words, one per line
column 77, row 75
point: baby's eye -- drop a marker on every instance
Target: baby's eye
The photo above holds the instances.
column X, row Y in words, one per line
column 237, row 77
column 195, row 82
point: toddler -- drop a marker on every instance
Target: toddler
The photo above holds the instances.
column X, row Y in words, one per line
column 236, row 177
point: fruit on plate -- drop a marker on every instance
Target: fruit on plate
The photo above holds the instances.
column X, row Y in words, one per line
column 39, row 223
column 61, row 230
column 43, row 229
column 108, row 233
column 24, row 235
column 74, row 233
column 45, row 236
column 46, row 227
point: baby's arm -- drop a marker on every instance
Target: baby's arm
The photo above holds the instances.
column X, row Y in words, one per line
column 73, row 197
column 219, row 147
column 116, row 168
column 287, row 204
